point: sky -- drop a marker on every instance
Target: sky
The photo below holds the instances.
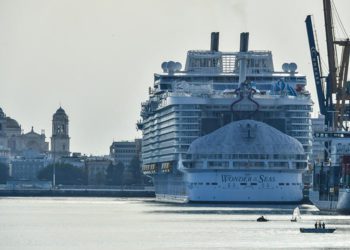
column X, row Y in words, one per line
column 96, row 58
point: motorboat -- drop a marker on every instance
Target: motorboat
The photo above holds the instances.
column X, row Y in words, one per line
column 317, row 230
column 262, row 219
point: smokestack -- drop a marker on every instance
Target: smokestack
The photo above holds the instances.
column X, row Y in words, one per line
column 214, row 45
column 244, row 42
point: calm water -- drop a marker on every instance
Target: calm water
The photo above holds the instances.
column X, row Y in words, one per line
column 107, row 223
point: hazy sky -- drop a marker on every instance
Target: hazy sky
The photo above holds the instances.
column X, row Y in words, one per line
column 97, row 58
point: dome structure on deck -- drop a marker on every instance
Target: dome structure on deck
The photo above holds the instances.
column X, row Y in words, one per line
column 246, row 137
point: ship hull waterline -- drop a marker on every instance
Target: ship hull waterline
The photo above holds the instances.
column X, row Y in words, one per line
column 231, row 186
column 339, row 205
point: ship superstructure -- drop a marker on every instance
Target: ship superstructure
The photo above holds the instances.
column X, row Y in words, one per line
column 213, row 90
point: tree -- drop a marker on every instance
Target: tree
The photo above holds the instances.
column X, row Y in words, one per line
column 135, row 168
column 4, row 173
column 100, row 178
column 66, row 174
column 115, row 174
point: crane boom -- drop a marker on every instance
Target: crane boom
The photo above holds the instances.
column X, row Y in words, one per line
column 342, row 85
column 334, row 100
column 332, row 62
column 315, row 59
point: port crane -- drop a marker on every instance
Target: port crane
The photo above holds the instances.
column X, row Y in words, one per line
column 333, row 89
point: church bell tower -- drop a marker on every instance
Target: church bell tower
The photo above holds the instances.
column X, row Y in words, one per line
column 60, row 135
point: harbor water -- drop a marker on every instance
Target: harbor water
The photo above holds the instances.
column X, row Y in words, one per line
column 122, row 223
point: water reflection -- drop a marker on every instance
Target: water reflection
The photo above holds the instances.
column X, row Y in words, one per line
column 244, row 209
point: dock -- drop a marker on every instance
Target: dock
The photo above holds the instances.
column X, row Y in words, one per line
column 78, row 192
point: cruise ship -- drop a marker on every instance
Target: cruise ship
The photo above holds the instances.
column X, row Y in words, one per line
column 227, row 128
column 331, row 175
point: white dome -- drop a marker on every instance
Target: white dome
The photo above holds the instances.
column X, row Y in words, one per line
column 246, row 137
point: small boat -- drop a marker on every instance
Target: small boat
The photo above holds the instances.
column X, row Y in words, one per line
column 262, row 219
column 296, row 215
column 317, row 230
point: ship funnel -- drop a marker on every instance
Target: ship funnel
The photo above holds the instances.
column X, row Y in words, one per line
column 244, row 42
column 214, row 45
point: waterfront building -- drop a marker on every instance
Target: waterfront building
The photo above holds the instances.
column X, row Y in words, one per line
column 60, row 139
column 27, row 168
column 34, row 142
column 4, row 155
column 125, row 151
column 10, row 132
column 76, row 160
column 17, row 142
column 96, row 167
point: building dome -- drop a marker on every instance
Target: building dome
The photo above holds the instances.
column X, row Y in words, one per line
column 60, row 113
column 246, row 137
column 11, row 123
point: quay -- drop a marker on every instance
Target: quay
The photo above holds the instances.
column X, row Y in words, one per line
column 80, row 192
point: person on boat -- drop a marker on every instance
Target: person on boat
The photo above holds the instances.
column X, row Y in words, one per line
column 319, row 224
column 323, row 225
column 316, row 225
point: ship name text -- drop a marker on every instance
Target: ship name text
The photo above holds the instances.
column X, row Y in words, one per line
column 259, row 179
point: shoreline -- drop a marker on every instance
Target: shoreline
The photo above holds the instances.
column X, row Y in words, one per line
column 76, row 193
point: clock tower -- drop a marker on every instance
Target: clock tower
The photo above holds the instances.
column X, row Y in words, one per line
column 60, row 136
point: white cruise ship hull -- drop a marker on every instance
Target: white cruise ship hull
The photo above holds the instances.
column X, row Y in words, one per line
column 236, row 186
column 244, row 186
